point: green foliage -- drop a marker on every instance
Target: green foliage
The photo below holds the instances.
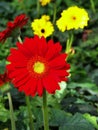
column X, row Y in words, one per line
column 91, row 119
column 2, row 66
column 67, row 107
column 77, row 122
column 4, row 113
column 66, row 121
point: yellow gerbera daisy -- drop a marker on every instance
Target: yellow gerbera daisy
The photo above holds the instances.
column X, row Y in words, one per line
column 44, row 2
column 73, row 18
column 42, row 27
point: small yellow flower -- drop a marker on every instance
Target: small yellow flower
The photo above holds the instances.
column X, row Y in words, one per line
column 45, row 17
column 44, row 2
column 73, row 18
column 42, row 26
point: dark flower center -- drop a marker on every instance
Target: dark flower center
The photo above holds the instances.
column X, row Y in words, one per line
column 42, row 30
column 74, row 18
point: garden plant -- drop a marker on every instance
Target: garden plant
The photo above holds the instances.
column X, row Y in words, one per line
column 48, row 65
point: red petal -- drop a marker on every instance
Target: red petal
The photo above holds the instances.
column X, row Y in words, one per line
column 24, row 50
column 61, row 72
column 50, row 84
column 42, row 47
column 40, row 87
column 36, row 45
column 17, row 72
column 18, row 81
column 10, row 25
column 20, row 20
column 63, row 79
column 16, row 55
column 53, row 50
column 10, row 67
column 30, row 87
column 59, row 61
column 31, row 46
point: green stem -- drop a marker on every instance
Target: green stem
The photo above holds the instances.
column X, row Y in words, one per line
column 69, row 43
column 45, row 111
column 93, row 6
column 71, row 40
column 67, row 47
column 30, row 113
column 19, row 39
column 11, row 111
column 54, row 14
column 38, row 8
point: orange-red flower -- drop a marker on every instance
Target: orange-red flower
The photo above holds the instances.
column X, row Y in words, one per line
column 18, row 23
column 37, row 65
column 4, row 78
column 5, row 34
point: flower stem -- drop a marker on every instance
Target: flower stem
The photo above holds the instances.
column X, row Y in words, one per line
column 30, row 113
column 45, row 112
column 19, row 39
column 54, row 14
column 38, row 8
column 11, row 112
column 69, row 43
column 93, row 6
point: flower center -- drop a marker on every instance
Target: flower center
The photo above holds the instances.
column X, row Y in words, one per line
column 73, row 17
column 38, row 67
column 42, row 30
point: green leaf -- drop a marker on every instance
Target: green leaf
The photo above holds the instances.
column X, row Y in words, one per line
column 85, row 85
column 23, row 120
column 4, row 113
column 58, row 117
column 2, row 66
column 66, row 121
column 4, row 7
column 5, row 88
column 77, row 122
column 60, row 94
column 70, row 2
column 91, row 119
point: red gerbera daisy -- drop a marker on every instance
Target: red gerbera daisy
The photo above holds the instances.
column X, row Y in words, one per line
column 37, row 65
column 3, row 79
column 18, row 22
column 5, row 34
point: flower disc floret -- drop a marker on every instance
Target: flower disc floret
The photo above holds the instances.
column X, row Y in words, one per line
column 38, row 67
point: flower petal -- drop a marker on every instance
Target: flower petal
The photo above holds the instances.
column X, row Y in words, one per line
column 40, row 87
column 50, row 84
column 53, row 50
column 58, row 61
